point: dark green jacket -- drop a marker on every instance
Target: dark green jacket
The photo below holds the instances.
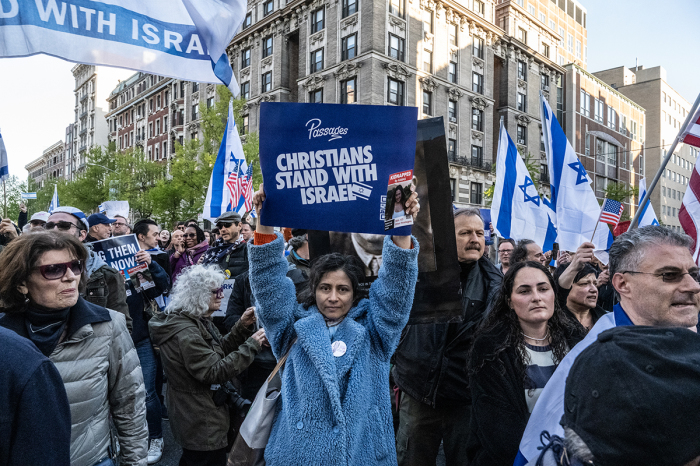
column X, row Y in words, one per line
column 194, row 360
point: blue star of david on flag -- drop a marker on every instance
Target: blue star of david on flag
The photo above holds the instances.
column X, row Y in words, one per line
column 581, row 172
column 527, row 198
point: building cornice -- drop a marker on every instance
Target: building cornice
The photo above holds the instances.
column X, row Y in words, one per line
column 605, row 85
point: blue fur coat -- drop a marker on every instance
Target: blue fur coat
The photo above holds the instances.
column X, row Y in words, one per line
column 334, row 411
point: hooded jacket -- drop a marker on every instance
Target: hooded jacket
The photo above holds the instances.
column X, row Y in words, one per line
column 335, row 405
column 195, row 357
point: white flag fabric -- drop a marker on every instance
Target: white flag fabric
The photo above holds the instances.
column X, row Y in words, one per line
column 648, row 216
column 4, row 168
column 229, row 180
column 182, row 39
column 54, row 200
column 517, row 211
column 573, row 200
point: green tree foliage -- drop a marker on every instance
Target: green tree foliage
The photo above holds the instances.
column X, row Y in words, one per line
column 166, row 191
column 13, row 190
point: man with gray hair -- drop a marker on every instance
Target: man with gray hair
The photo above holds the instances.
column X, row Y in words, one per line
column 654, row 274
column 431, row 360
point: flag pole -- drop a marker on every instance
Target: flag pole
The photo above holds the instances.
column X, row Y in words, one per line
column 597, row 222
column 664, row 162
column 4, row 196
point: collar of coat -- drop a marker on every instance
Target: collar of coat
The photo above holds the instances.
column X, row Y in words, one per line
column 312, row 337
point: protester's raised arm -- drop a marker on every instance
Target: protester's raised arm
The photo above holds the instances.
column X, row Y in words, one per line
column 583, row 256
column 412, row 208
column 258, row 199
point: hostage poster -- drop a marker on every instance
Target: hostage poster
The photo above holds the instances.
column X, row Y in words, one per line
column 328, row 166
column 120, row 254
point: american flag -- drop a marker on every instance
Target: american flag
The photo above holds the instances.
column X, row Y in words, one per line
column 692, row 135
column 612, row 210
column 247, row 188
column 233, row 183
column 689, row 213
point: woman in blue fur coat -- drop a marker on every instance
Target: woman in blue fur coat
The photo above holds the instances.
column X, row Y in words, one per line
column 335, row 405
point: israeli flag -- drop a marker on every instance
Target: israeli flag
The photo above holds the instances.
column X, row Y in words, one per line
column 573, row 200
column 648, row 216
column 182, row 39
column 54, row 200
column 517, row 211
column 4, row 168
column 224, row 192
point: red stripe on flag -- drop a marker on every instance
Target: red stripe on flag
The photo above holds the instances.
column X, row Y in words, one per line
column 689, row 219
column 692, row 140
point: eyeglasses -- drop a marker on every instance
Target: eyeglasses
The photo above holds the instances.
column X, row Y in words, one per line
column 58, row 271
column 219, row 292
column 505, row 251
column 119, row 224
column 61, row 225
column 190, row 235
column 670, row 277
column 224, row 224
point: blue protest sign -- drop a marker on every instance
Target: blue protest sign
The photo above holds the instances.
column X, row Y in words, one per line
column 328, row 166
column 486, row 215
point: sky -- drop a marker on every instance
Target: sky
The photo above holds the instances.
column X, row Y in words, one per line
column 37, row 100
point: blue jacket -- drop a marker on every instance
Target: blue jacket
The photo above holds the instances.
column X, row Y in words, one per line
column 334, row 410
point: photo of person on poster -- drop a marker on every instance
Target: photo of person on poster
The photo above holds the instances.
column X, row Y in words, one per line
column 396, row 202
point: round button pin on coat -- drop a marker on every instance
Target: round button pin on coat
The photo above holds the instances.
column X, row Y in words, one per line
column 339, row 348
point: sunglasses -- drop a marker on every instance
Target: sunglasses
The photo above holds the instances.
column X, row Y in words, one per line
column 224, row 224
column 219, row 292
column 61, row 225
column 190, row 235
column 58, row 271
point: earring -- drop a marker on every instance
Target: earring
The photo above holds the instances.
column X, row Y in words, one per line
column 26, row 299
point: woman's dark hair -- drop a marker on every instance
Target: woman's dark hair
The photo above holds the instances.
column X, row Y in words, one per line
column 211, row 237
column 200, row 232
column 503, row 318
column 21, row 257
column 330, row 263
column 392, row 199
column 165, row 245
column 584, row 272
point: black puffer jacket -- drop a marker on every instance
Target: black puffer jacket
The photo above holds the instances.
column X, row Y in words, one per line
column 431, row 360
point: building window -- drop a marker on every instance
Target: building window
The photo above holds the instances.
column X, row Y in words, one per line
column 522, row 70
column 585, row 104
column 316, row 61
column 478, row 48
column 245, row 58
column 453, row 188
column 347, row 91
column 317, row 20
column 476, row 193
column 349, row 47
column 531, row 9
column 268, row 7
column 316, row 97
column 522, row 135
column 544, row 82
column 522, row 102
column 452, row 31
column 210, row 102
column 570, row 43
column 157, row 104
column 452, row 72
column 545, row 50
column 543, row 18
column 452, row 149
column 245, row 90
column 479, row 6
column 266, row 82
column 427, row 103
column 395, row 92
column 477, row 119
column 396, row 7
column 267, row 47
column 246, row 124
column 248, row 20
column 578, row 49
column 522, row 35
column 349, row 7
column 452, row 110
column 396, row 47
column 612, row 118
column 195, row 116
column 428, row 21
column 477, row 156
column 477, row 83
column 427, row 61
column 599, row 110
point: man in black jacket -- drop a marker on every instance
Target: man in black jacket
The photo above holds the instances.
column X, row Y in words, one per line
column 431, row 360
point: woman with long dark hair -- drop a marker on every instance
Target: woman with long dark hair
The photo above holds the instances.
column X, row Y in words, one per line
column 515, row 352
column 399, row 203
column 163, row 239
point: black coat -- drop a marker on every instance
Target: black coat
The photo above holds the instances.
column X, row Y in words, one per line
column 431, row 360
column 499, row 408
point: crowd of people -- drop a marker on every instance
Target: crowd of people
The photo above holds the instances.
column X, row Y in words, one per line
column 598, row 360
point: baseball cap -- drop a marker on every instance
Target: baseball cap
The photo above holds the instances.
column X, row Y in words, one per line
column 633, row 395
column 99, row 219
column 229, row 217
column 40, row 216
column 77, row 213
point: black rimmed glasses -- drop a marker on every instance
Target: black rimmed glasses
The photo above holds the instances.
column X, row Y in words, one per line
column 58, row 271
column 219, row 292
column 62, row 225
column 670, row 277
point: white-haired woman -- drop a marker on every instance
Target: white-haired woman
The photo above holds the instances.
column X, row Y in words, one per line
column 197, row 359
